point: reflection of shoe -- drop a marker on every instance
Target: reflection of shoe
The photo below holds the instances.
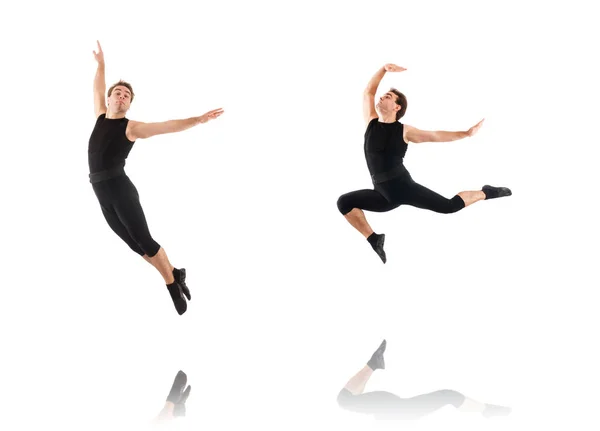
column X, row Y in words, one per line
column 178, row 396
column 492, row 410
column 177, row 296
column 179, row 275
column 495, row 192
column 179, row 410
column 376, row 362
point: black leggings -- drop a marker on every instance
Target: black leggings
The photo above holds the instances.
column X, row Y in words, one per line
column 398, row 191
column 386, row 405
column 120, row 203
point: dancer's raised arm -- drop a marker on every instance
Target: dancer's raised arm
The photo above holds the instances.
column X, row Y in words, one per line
column 369, row 111
column 99, row 83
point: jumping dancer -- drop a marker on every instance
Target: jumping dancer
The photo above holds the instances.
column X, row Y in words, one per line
column 109, row 145
column 385, row 405
column 386, row 142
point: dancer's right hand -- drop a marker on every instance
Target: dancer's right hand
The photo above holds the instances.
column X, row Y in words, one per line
column 393, row 68
column 99, row 56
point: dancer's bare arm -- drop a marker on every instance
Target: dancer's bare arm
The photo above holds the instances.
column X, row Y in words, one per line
column 369, row 111
column 416, row 136
column 139, row 130
column 99, row 83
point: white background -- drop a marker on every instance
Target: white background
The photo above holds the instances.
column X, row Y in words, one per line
column 496, row 302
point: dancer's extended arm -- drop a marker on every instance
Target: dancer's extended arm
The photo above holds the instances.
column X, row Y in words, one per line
column 416, row 136
column 140, row 130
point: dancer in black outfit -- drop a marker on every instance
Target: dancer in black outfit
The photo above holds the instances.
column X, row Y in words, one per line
column 110, row 143
column 385, row 405
column 386, row 142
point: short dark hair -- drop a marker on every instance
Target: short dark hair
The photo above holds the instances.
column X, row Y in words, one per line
column 400, row 100
column 124, row 84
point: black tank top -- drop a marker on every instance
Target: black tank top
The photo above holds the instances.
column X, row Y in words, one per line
column 384, row 146
column 108, row 146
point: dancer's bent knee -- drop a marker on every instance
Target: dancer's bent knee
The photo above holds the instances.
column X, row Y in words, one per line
column 344, row 206
column 151, row 248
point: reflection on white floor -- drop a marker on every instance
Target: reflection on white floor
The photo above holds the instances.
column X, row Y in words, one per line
column 385, row 405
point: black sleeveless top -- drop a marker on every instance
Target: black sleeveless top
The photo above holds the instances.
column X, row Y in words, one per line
column 108, row 146
column 384, row 146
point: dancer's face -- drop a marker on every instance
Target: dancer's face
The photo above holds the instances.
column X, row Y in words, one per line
column 387, row 103
column 120, row 99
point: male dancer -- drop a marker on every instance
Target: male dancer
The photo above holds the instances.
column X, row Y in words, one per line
column 386, row 142
column 110, row 143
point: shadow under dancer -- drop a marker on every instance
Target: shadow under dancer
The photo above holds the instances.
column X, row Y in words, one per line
column 385, row 405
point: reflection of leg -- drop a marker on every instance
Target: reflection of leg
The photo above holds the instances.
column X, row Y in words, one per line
column 375, row 403
column 166, row 413
column 425, row 404
column 492, row 410
column 488, row 410
column 175, row 402
column 356, row 385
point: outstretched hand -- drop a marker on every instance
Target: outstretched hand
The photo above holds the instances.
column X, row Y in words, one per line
column 393, row 68
column 211, row 115
column 99, row 56
column 475, row 128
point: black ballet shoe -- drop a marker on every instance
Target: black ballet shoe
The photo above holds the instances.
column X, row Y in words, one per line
column 495, row 192
column 376, row 362
column 177, row 296
column 377, row 242
column 179, row 275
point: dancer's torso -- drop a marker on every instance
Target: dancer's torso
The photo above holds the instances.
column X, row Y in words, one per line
column 384, row 146
column 108, row 146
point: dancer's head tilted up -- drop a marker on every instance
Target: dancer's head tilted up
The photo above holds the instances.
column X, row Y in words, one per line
column 120, row 96
column 392, row 101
